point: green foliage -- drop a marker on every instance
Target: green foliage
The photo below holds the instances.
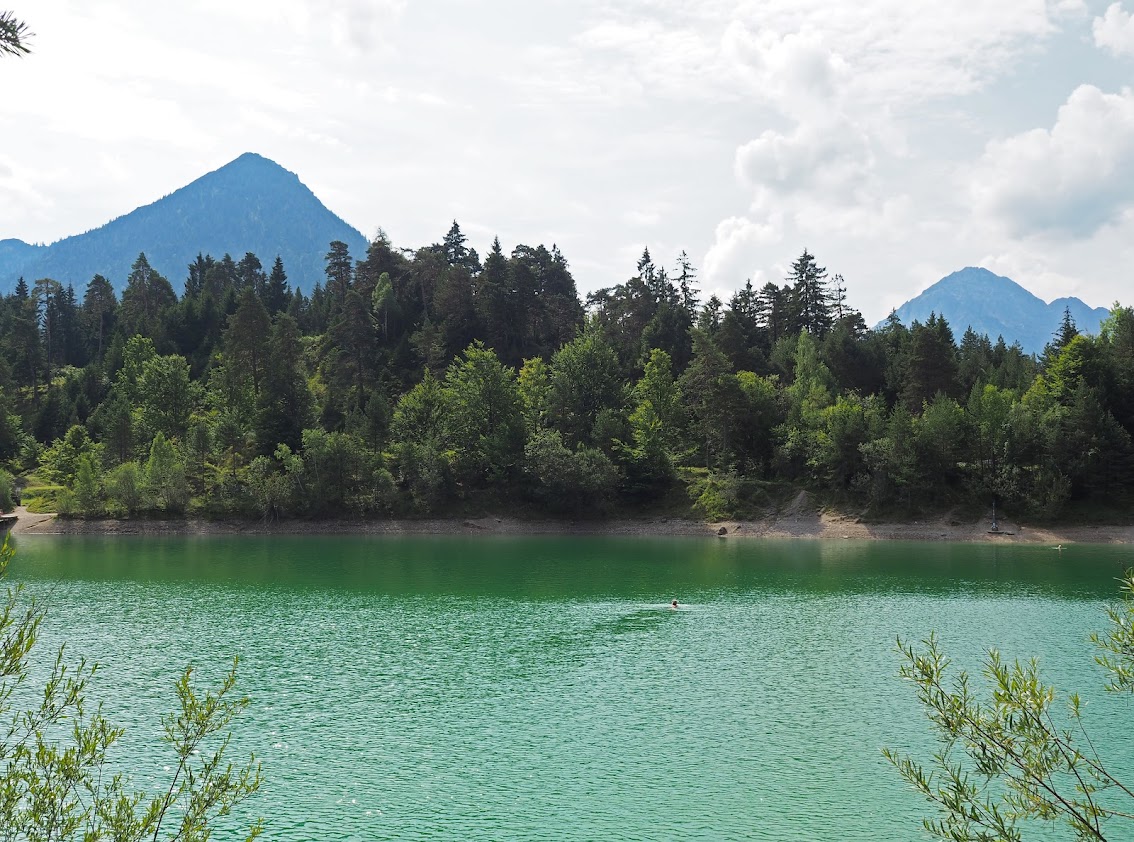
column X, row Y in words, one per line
column 340, row 474
column 412, row 356
column 1005, row 762
column 164, row 485
column 484, row 423
column 712, row 393
column 760, row 409
column 890, row 460
column 41, row 497
column 585, row 381
column 421, row 414
column 166, row 396
column 14, row 34
column 929, row 363
column 426, row 472
column 716, row 494
column 124, row 489
column 580, row 481
column 87, row 487
column 60, row 461
column 7, row 492
column 534, row 384
column 57, row 781
column 837, row 445
column 276, row 483
column 724, row 495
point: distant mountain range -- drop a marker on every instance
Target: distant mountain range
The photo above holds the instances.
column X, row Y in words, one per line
column 997, row 306
column 249, row 205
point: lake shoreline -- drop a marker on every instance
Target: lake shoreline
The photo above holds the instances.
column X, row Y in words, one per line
column 798, row 524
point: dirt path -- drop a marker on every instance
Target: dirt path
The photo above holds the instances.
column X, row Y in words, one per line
column 30, row 522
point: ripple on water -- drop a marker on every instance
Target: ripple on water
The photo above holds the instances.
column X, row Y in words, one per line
column 538, row 695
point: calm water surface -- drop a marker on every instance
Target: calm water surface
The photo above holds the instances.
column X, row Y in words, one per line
column 539, row 688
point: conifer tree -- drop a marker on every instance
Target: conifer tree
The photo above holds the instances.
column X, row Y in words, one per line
column 339, row 272
column 14, row 35
column 686, row 274
column 809, row 297
column 277, row 294
column 99, row 304
column 144, row 301
column 1067, row 330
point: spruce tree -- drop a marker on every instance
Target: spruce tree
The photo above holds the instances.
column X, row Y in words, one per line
column 810, row 299
column 277, row 294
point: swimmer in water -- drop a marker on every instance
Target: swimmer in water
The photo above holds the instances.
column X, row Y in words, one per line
column 673, row 604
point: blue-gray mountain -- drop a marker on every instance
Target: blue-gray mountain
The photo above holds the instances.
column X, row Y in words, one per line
column 249, row 205
column 997, row 306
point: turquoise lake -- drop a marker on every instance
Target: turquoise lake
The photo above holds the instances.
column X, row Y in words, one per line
column 540, row 688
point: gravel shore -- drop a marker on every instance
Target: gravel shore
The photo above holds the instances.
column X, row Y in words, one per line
column 797, row 521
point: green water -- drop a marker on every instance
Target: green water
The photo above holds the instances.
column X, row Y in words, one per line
column 538, row 688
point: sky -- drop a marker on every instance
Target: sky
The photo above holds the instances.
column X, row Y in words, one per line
column 896, row 141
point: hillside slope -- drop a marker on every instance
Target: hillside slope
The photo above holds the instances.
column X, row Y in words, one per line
column 249, row 205
column 997, row 306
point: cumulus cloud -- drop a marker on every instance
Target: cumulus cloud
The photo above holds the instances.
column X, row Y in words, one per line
column 1114, row 31
column 1071, row 180
column 832, row 156
column 796, row 70
column 735, row 252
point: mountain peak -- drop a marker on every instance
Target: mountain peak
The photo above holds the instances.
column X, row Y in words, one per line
column 995, row 306
column 253, row 162
column 251, row 204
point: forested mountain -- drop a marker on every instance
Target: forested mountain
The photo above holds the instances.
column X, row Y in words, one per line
column 249, row 205
column 14, row 253
column 996, row 306
column 432, row 381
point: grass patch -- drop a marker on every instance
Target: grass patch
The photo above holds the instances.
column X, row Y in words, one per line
column 41, row 498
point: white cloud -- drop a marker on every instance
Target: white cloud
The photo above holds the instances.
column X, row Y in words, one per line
column 1114, row 31
column 1071, row 180
column 735, row 252
column 740, row 130
column 795, row 71
column 830, row 156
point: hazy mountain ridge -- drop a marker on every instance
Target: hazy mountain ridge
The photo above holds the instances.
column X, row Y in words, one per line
column 15, row 254
column 998, row 306
column 251, row 204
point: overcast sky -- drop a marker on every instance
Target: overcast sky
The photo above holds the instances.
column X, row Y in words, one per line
column 897, row 141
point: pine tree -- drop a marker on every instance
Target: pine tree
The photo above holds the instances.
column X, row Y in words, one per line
column 44, row 293
column 930, row 363
column 810, row 301
column 838, row 296
column 14, row 35
column 198, row 272
column 339, row 273
column 1067, row 329
column 99, row 304
column 772, row 312
column 144, row 301
column 686, row 274
column 250, row 274
column 492, row 302
column 285, row 403
column 456, row 253
column 277, row 294
column 246, row 338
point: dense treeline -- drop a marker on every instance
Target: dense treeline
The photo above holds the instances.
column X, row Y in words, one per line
column 416, row 381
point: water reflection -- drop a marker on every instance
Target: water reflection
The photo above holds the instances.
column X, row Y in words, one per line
column 549, row 568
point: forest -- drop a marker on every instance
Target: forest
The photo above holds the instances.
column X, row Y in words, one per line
column 430, row 381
